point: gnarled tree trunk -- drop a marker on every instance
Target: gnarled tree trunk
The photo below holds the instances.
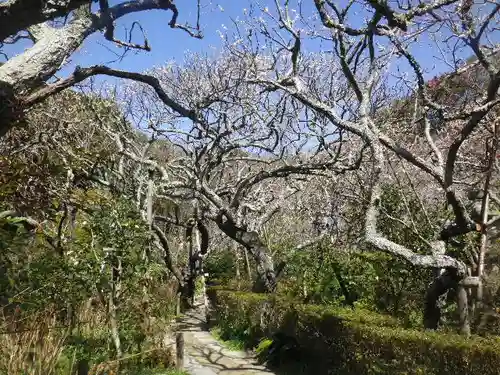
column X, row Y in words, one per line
column 24, row 77
column 250, row 240
column 432, row 310
column 18, row 15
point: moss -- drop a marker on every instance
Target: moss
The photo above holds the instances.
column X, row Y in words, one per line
column 343, row 341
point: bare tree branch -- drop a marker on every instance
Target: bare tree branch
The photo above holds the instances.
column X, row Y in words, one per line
column 17, row 15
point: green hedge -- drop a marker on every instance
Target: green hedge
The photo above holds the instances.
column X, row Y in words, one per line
column 343, row 341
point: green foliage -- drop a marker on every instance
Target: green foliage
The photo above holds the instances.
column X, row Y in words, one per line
column 228, row 341
column 264, row 346
column 69, row 281
column 317, row 276
column 339, row 341
column 398, row 204
column 56, row 276
column 220, row 266
column 373, row 280
column 198, row 286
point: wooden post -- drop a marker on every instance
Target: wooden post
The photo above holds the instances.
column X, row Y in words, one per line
column 463, row 310
column 236, row 252
column 247, row 265
column 179, row 343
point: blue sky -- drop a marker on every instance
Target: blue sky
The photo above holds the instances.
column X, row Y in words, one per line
column 172, row 44
column 166, row 43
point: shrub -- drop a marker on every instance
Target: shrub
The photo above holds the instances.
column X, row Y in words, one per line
column 343, row 341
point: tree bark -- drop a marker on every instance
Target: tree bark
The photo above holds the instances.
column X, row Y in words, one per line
column 484, row 217
column 18, row 15
column 266, row 276
column 116, row 270
column 432, row 310
column 114, row 326
column 192, row 260
column 30, row 69
column 167, row 254
column 45, row 57
column 27, row 72
column 149, row 214
column 463, row 310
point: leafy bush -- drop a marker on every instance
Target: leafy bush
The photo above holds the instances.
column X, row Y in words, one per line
column 228, row 342
column 220, row 266
column 263, row 347
column 343, row 341
column 67, row 294
column 371, row 279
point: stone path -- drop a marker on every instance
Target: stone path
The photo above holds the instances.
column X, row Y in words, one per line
column 206, row 356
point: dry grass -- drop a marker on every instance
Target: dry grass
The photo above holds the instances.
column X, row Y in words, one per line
column 30, row 345
column 33, row 344
column 91, row 318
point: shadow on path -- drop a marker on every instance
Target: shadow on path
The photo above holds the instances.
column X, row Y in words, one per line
column 204, row 355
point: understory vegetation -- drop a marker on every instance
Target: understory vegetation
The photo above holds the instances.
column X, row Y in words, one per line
column 78, row 292
column 318, row 339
